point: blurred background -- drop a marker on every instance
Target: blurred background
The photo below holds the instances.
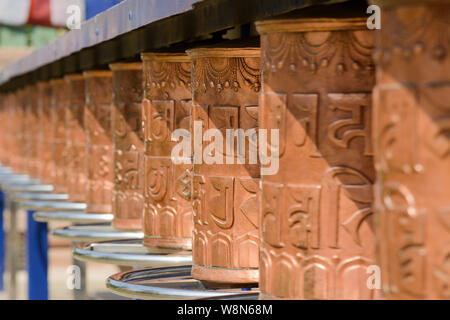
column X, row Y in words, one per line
column 29, row 24
column 24, row 26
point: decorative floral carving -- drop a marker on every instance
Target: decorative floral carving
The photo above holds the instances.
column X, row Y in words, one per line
column 220, row 74
column 315, row 50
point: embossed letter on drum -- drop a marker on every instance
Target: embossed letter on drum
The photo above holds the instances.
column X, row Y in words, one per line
column 167, row 106
column 99, row 151
column 317, row 222
column 226, row 84
column 412, row 149
column 128, row 196
column 76, row 138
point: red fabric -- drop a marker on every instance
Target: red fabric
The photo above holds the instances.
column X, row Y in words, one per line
column 40, row 12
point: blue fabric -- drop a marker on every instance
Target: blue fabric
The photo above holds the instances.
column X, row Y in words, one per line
column 2, row 242
column 94, row 7
column 37, row 259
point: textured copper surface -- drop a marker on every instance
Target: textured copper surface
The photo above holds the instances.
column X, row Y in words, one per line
column 14, row 128
column 128, row 196
column 99, row 151
column 76, row 138
column 59, row 147
column 33, row 165
column 45, row 135
column 412, row 150
column 4, row 119
column 317, row 222
column 226, row 83
column 22, row 133
column 167, row 106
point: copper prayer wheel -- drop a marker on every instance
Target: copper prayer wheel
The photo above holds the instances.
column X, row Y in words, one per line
column 412, row 149
column 33, row 165
column 166, row 107
column 22, row 131
column 76, row 138
column 317, row 222
column 226, row 85
column 59, row 147
column 99, row 149
column 128, row 195
column 4, row 119
column 45, row 136
column 13, row 111
column 4, row 129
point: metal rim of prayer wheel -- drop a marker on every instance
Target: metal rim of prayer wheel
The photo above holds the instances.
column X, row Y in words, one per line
column 99, row 150
column 317, row 221
column 412, row 148
column 226, row 83
column 128, row 197
column 167, row 283
column 167, row 106
column 76, row 138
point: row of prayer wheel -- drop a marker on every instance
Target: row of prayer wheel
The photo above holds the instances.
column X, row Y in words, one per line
column 364, row 153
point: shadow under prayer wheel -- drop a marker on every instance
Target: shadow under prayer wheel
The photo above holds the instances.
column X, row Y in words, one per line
column 226, row 84
column 128, row 195
column 59, row 147
column 76, row 138
column 412, row 149
column 45, row 136
column 166, row 108
column 317, row 221
column 99, row 148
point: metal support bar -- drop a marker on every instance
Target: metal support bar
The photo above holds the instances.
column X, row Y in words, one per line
column 37, row 258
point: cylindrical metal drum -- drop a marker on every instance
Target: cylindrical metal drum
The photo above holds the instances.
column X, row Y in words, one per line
column 412, row 148
column 76, row 138
column 166, row 108
column 317, row 221
column 128, row 196
column 14, row 138
column 33, row 129
column 226, row 85
column 22, row 131
column 59, row 147
column 5, row 120
column 99, row 150
column 45, row 135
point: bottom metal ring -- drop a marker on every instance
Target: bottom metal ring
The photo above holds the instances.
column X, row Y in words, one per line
column 52, row 206
column 130, row 253
column 167, row 283
column 34, row 196
column 96, row 232
column 73, row 217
